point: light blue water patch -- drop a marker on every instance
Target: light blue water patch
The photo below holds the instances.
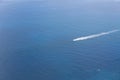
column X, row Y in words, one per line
column 36, row 40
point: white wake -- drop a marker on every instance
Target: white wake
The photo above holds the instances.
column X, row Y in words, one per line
column 94, row 35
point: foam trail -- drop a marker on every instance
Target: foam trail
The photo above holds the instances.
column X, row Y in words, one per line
column 95, row 35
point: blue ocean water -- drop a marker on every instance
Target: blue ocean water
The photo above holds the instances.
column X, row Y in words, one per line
column 36, row 40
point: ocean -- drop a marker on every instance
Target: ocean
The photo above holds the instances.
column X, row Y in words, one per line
column 36, row 40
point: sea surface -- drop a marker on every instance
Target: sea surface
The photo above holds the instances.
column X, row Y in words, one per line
column 36, row 40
